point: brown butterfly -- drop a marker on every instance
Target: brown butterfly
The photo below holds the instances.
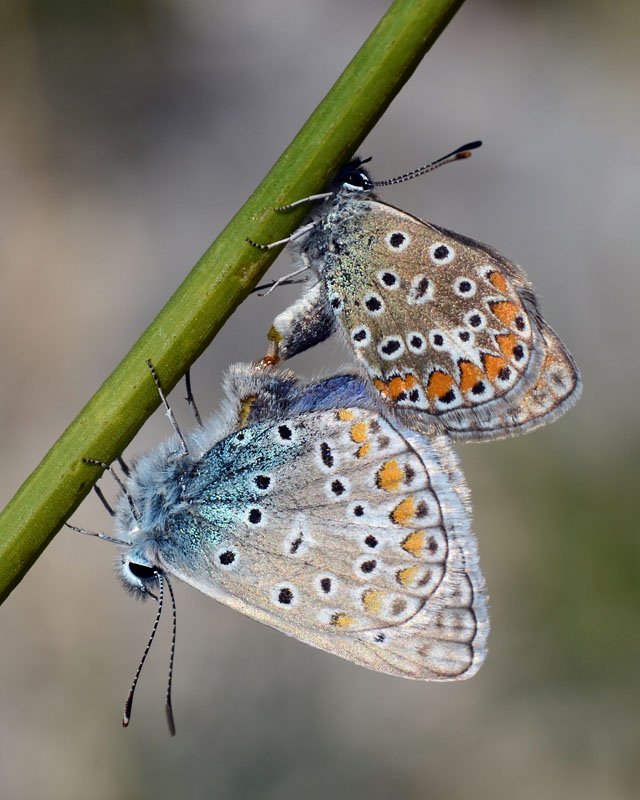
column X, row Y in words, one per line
column 447, row 329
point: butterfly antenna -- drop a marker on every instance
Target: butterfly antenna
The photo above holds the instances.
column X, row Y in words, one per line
column 104, row 501
column 168, row 409
column 456, row 155
column 118, row 480
column 124, row 466
column 103, row 536
column 126, row 717
column 168, row 707
column 191, row 399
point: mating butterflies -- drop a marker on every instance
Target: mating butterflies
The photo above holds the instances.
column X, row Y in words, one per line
column 447, row 329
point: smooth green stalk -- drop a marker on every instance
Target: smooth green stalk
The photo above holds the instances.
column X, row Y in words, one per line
column 218, row 283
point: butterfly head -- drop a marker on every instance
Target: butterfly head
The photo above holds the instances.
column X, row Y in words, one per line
column 354, row 179
column 138, row 565
column 151, row 495
column 139, row 573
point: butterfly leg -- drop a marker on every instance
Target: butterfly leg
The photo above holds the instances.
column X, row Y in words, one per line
column 305, row 323
column 295, row 235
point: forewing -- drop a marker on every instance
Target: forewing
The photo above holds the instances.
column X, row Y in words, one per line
column 349, row 533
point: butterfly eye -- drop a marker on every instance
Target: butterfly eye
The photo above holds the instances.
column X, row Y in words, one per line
column 141, row 571
column 357, row 179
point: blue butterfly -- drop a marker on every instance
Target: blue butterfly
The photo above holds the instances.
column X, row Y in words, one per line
column 304, row 508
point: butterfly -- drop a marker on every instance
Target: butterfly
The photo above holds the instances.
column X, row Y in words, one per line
column 301, row 506
column 447, row 330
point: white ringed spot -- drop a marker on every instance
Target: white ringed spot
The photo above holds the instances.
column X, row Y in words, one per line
column 440, row 253
column 438, row 340
column 263, row 482
column 326, row 584
column 374, row 304
column 367, row 566
column 284, row 595
column 361, row 336
column 465, row 287
column 357, row 510
column 226, row 558
column 464, row 336
column 390, row 348
column 416, row 342
column 397, row 241
column 475, row 320
column 388, row 279
column 284, row 433
column 255, row 517
column 337, row 488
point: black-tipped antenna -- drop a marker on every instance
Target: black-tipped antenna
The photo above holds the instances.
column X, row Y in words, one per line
column 168, row 409
column 190, row 398
column 103, row 536
column 126, row 717
column 167, row 706
column 455, row 155
column 104, row 501
column 118, row 480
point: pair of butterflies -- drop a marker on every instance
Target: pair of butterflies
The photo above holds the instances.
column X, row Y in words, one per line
column 336, row 510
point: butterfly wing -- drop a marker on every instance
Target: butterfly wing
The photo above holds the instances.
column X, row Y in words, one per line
column 557, row 389
column 350, row 533
column 447, row 329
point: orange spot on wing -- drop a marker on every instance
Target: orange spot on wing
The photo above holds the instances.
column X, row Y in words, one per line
column 389, row 476
column 381, row 386
column 407, row 576
column 470, row 375
column 344, row 415
column 395, row 387
column 498, row 281
column 342, row 620
column 506, row 312
column 363, row 450
column 410, row 380
column 493, row 365
column 359, row 432
column 414, row 543
column 404, row 511
column 372, row 601
column 439, row 384
column 506, row 342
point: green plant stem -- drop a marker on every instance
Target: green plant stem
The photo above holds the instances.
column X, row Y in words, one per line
column 218, row 283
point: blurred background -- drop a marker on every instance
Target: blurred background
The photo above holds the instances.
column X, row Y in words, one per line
column 130, row 133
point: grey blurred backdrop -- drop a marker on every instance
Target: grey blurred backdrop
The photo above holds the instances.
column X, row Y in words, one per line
column 130, row 132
